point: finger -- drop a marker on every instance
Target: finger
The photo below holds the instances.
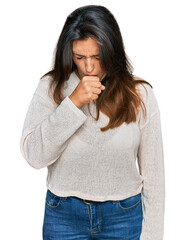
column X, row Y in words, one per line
column 95, row 96
column 97, row 85
column 91, row 78
column 96, row 90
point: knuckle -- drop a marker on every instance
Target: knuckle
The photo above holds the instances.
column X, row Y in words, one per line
column 84, row 78
column 84, row 83
column 89, row 95
column 87, row 88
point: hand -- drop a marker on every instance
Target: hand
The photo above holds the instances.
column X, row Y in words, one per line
column 86, row 91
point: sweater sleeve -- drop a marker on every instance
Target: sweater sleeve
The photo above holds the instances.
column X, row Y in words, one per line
column 47, row 128
column 151, row 166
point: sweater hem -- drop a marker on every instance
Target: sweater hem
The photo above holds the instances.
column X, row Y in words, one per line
column 115, row 197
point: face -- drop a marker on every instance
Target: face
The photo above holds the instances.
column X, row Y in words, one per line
column 87, row 59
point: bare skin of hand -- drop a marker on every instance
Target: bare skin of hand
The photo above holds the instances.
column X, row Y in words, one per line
column 86, row 91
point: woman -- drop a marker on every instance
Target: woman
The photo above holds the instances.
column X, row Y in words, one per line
column 89, row 120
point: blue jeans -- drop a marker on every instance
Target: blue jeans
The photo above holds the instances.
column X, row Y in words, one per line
column 72, row 218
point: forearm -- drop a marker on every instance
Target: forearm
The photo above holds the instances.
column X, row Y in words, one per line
column 43, row 143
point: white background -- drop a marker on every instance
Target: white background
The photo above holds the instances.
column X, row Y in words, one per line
column 153, row 34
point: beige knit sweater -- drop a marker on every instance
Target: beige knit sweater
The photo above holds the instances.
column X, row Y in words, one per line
column 82, row 161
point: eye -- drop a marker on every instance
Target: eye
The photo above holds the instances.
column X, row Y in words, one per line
column 97, row 58
column 79, row 57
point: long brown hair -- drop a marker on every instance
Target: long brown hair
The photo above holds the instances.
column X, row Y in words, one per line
column 120, row 101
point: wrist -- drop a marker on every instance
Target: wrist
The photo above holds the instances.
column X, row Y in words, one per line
column 76, row 103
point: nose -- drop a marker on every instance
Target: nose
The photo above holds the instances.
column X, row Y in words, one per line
column 89, row 65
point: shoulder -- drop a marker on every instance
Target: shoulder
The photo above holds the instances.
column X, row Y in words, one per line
column 43, row 89
column 145, row 90
column 43, row 85
column 147, row 94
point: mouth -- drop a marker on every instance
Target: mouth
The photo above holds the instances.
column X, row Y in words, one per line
column 90, row 75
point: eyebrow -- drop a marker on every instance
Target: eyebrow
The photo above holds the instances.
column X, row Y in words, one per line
column 96, row 55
